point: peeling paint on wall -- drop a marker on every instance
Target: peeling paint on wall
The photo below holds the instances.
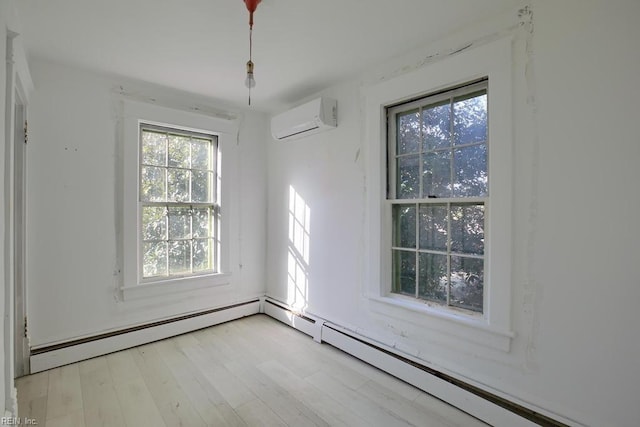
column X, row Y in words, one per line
column 441, row 53
column 532, row 291
column 117, row 118
column 141, row 96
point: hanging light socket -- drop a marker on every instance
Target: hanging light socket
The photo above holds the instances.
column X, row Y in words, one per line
column 250, row 82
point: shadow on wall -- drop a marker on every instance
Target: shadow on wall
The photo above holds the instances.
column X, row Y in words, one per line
column 298, row 251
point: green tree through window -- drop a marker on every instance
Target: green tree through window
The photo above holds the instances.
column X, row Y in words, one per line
column 438, row 187
column 179, row 213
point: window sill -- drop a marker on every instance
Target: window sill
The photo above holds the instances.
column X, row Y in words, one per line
column 168, row 286
column 473, row 327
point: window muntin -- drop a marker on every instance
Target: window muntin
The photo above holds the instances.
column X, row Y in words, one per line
column 438, row 187
column 178, row 203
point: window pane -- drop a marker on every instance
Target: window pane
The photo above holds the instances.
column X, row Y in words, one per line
column 444, row 156
column 177, row 171
column 152, row 186
column 200, row 185
column 433, row 277
column 408, row 132
column 154, row 259
column 154, row 224
column 180, row 257
column 436, row 125
column 467, row 279
column 436, row 175
column 201, row 223
column 200, row 153
column 154, row 148
column 404, row 272
column 470, row 171
column 179, row 223
column 467, row 229
column 178, row 185
column 404, row 230
column 202, row 254
column 179, row 147
column 433, row 227
column 470, row 118
column 408, row 185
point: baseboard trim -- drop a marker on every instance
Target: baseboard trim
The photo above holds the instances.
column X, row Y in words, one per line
column 52, row 356
column 482, row 404
column 307, row 324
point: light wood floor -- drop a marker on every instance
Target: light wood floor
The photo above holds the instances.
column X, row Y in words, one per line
column 250, row 372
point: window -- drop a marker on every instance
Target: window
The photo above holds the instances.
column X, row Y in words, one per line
column 178, row 202
column 438, row 188
column 178, row 175
column 439, row 209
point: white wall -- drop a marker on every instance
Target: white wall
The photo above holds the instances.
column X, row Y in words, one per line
column 575, row 240
column 74, row 209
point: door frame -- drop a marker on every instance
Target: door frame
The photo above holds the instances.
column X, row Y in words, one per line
column 22, row 351
column 18, row 88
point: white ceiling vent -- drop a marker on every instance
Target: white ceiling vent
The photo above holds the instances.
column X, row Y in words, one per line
column 307, row 119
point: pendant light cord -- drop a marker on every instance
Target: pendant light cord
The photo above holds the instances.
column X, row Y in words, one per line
column 250, row 47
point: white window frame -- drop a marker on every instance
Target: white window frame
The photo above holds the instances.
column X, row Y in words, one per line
column 214, row 204
column 137, row 113
column 492, row 61
column 392, row 180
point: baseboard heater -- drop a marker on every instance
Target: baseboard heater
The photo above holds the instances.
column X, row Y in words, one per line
column 299, row 321
column 59, row 354
column 482, row 404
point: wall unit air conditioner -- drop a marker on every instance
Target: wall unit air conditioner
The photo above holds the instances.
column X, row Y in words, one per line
column 307, row 119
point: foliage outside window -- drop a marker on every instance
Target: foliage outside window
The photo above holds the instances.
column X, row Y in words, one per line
column 179, row 213
column 438, row 188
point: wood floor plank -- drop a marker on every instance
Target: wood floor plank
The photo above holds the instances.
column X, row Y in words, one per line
column 137, row 404
column 402, row 407
column 277, row 342
column 291, row 410
column 244, row 343
column 32, row 396
column 106, row 415
column 216, row 341
column 33, row 386
column 138, row 407
column 443, row 410
column 34, row 409
column 173, row 403
column 72, row 419
column 122, row 367
column 207, row 401
column 99, row 398
column 234, row 392
column 256, row 413
column 339, row 370
column 254, row 371
column 64, row 395
column 186, row 340
column 334, row 412
column 90, row 365
column 256, row 335
column 358, row 403
column 230, row 416
column 370, row 372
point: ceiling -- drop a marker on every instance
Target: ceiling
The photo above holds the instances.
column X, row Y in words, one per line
column 201, row 46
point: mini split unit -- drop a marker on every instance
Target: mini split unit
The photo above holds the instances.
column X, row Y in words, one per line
column 307, row 119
